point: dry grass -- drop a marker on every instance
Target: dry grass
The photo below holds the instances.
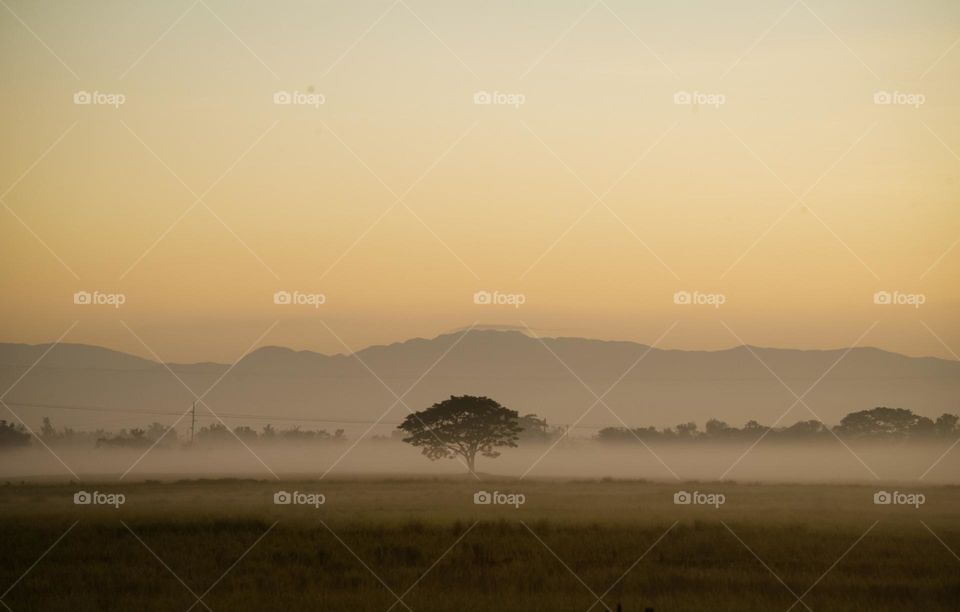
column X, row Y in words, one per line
column 400, row 527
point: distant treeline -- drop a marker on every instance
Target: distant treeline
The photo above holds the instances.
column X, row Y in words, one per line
column 878, row 423
column 12, row 435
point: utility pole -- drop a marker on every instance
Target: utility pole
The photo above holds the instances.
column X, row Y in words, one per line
column 193, row 421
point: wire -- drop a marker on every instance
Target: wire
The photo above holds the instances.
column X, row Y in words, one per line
column 232, row 415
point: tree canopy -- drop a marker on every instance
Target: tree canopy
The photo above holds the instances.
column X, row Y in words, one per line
column 462, row 426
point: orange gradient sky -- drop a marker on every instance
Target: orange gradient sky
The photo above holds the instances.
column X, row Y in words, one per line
column 398, row 198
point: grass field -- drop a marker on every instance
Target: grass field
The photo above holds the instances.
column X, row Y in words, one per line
column 570, row 546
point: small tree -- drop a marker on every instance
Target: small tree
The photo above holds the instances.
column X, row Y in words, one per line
column 462, row 426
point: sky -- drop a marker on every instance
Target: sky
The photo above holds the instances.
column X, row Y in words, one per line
column 696, row 175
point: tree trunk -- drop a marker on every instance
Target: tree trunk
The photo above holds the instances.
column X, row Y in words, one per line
column 471, row 462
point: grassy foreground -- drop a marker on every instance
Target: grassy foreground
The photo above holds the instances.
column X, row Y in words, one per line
column 570, row 546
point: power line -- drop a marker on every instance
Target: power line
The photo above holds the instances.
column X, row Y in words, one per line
column 232, row 415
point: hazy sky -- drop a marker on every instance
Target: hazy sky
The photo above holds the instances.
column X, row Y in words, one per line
column 796, row 196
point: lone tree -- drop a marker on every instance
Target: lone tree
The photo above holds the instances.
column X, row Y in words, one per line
column 462, row 426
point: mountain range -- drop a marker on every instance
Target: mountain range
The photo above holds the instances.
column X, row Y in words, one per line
column 548, row 376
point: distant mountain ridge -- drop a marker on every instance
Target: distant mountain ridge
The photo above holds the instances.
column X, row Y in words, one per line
column 664, row 386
